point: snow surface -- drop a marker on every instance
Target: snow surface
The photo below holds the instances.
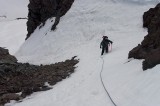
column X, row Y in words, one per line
column 79, row 34
column 13, row 8
column 13, row 32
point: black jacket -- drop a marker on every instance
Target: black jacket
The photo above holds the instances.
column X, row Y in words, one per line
column 105, row 43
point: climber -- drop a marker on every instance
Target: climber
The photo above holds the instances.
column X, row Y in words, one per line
column 104, row 44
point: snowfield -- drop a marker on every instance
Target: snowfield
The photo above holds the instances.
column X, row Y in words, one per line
column 12, row 31
column 79, row 33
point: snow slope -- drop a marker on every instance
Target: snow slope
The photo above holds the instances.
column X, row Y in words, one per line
column 79, row 34
column 12, row 32
column 139, row 2
column 13, row 8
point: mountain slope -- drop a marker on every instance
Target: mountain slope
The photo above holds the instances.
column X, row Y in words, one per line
column 79, row 34
column 12, row 31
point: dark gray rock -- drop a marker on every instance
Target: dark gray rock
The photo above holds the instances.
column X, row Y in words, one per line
column 7, row 97
column 27, row 78
column 41, row 10
column 5, row 57
column 149, row 49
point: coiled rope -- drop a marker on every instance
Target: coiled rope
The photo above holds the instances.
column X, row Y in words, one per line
column 104, row 85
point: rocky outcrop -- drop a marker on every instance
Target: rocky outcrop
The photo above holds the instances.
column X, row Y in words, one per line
column 5, row 57
column 17, row 80
column 41, row 10
column 149, row 49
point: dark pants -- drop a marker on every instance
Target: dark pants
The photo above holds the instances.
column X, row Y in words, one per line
column 103, row 49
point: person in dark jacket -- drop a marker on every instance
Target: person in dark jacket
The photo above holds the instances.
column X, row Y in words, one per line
column 104, row 44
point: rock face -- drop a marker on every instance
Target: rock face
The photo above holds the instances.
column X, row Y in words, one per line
column 41, row 10
column 149, row 49
column 17, row 80
column 5, row 57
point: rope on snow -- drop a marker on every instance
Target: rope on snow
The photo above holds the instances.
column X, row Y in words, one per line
column 104, row 85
